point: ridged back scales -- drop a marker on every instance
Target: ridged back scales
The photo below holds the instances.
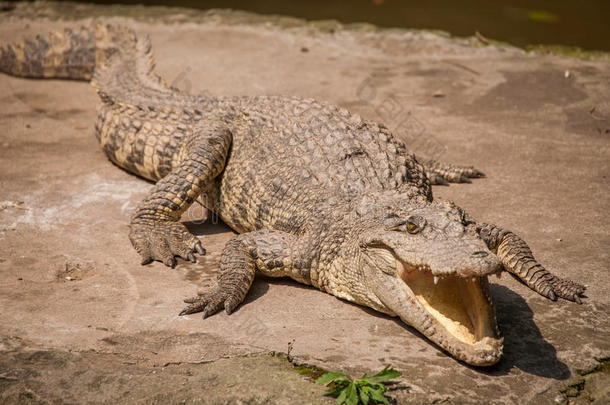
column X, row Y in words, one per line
column 291, row 154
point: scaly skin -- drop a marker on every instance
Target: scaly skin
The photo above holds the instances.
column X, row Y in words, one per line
column 519, row 261
column 317, row 194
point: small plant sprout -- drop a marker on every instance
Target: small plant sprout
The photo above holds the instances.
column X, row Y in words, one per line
column 365, row 390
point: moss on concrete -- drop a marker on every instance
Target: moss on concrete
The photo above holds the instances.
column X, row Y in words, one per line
column 591, row 386
column 569, row 51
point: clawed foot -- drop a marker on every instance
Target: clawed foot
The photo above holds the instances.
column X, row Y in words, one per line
column 212, row 301
column 454, row 174
column 558, row 287
column 443, row 173
column 163, row 241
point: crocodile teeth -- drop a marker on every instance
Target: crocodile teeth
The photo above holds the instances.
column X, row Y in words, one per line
column 435, row 280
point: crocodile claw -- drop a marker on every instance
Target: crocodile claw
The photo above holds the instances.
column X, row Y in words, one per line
column 200, row 249
column 164, row 241
column 440, row 173
column 473, row 173
column 211, row 302
column 556, row 287
column 568, row 289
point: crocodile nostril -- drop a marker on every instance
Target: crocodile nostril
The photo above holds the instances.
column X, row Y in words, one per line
column 480, row 253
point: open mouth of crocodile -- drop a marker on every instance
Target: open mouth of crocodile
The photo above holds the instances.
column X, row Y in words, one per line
column 458, row 311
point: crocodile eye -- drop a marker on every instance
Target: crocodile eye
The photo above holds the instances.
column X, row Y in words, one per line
column 412, row 225
column 415, row 224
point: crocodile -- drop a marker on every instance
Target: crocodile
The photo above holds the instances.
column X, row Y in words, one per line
column 314, row 193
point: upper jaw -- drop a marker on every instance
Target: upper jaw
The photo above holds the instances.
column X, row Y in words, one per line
column 472, row 263
column 456, row 313
column 439, row 274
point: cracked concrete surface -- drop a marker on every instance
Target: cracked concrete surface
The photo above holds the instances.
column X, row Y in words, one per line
column 75, row 299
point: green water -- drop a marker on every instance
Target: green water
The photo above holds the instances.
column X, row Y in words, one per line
column 584, row 23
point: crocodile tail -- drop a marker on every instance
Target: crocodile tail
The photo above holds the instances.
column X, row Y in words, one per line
column 68, row 54
column 119, row 64
column 130, row 72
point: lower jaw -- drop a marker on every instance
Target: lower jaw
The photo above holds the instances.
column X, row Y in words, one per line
column 483, row 353
column 462, row 316
column 486, row 351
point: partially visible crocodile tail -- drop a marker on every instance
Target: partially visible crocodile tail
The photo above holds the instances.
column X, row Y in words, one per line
column 119, row 64
column 69, row 54
column 128, row 77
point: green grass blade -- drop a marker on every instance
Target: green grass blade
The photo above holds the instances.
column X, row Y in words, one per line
column 387, row 374
column 342, row 397
column 352, row 396
column 379, row 397
column 330, row 377
column 364, row 396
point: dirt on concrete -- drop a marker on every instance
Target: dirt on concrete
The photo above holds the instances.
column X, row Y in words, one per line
column 82, row 321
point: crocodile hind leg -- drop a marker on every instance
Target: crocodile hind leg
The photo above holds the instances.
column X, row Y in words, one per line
column 267, row 251
column 155, row 232
column 519, row 261
column 445, row 173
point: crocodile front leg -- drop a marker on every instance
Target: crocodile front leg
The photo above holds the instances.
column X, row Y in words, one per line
column 518, row 260
column 268, row 251
column 156, row 233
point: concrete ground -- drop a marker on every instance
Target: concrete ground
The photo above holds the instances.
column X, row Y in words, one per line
column 83, row 321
